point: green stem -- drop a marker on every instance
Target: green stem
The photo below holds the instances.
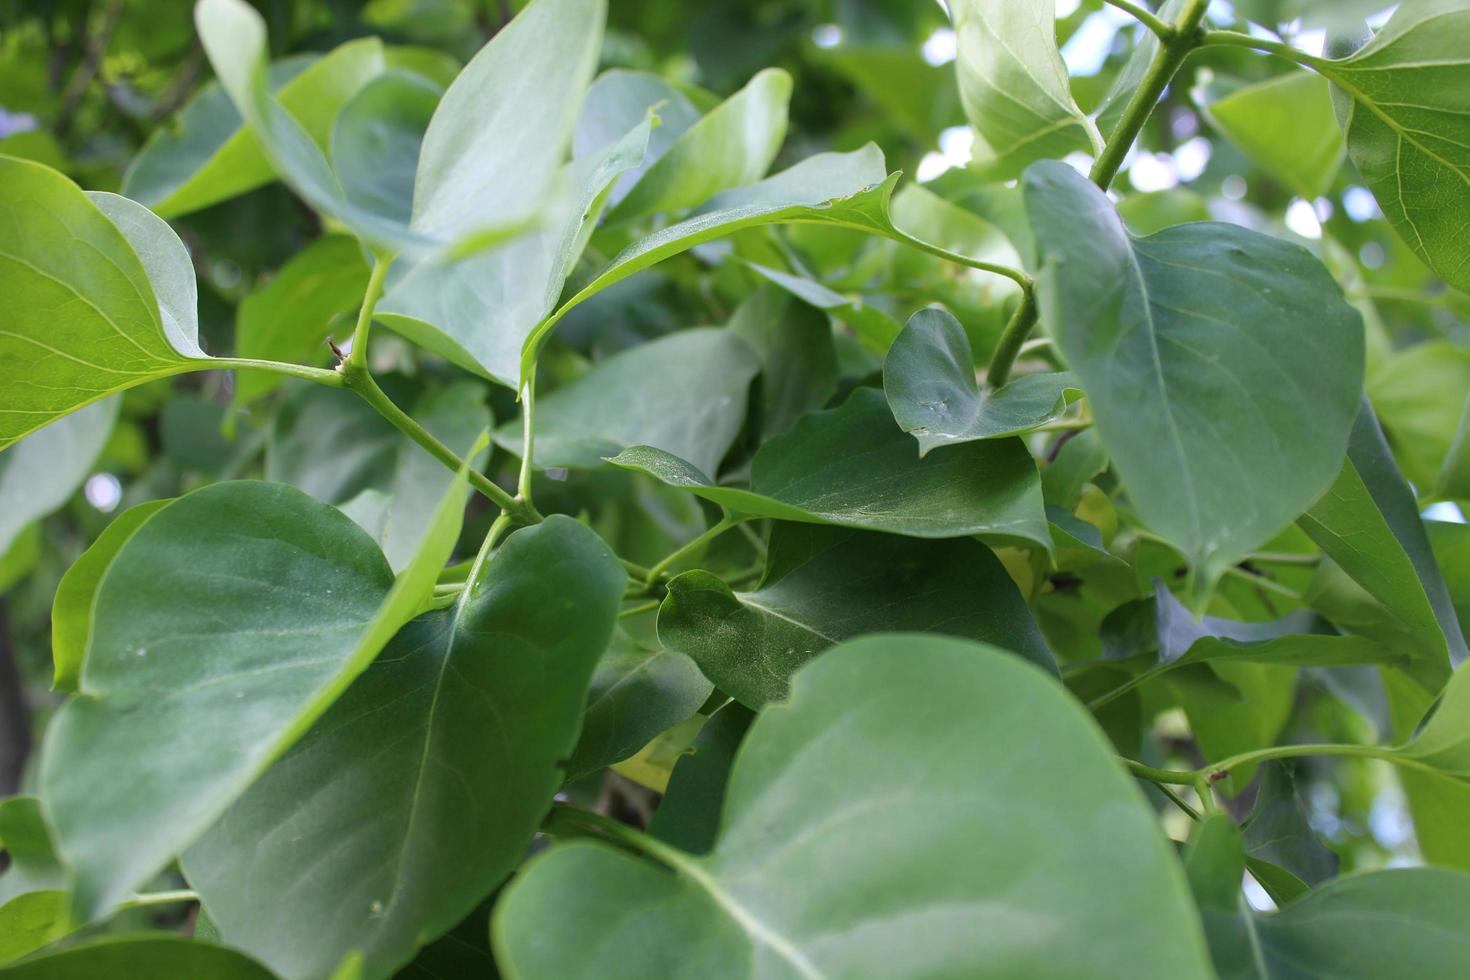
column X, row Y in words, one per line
column 1178, row 801
column 1206, row 795
column 357, row 357
column 360, row 381
column 321, row 376
column 528, row 437
column 1174, row 777
column 639, row 610
column 1015, row 275
column 1239, row 40
column 1021, row 322
column 1297, row 751
column 1183, row 38
column 725, row 523
column 161, row 898
column 1144, row 17
column 569, row 821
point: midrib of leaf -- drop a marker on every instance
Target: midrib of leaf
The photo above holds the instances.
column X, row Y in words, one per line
column 1168, row 412
column 747, row 599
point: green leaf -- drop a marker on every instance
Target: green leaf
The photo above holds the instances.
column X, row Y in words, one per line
column 875, row 329
column 616, row 103
column 237, row 614
column 684, row 394
column 33, row 904
column 827, row 585
column 853, row 467
column 490, row 153
column 1286, row 125
column 208, row 155
column 929, row 838
column 71, row 610
column 1014, row 86
column 843, row 189
column 503, row 128
column 1283, row 852
column 732, row 146
column 456, row 734
column 157, row 956
column 1442, row 744
column 1369, row 525
column 1407, row 922
column 798, row 371
column 1420, row 397
column 688, row 817
column 377, row 139
column 1214, row 861
column 1400, row 99
column 477, row 312
column 638, row 690
column 290, row 317
column 62, row 252
column 39, row 475
column 1174, row 333
column 929, row 378
column 1454, row 477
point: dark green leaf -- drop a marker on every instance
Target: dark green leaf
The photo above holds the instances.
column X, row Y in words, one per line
column 1283, row 852
column 853, row 467
column 689, row 815
column 237, row 615
column 447, row 750
column 638, row 690
column 840, row 584
column 929, row 378
column 156, row 956
column 798, row 359
column 1173, row 334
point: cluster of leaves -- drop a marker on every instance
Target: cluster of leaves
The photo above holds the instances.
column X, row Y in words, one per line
column 951, row 598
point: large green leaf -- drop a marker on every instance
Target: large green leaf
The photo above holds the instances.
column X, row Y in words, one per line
column 478, row 311
column 1404, row 102
column 1191, row 343
column 843, row 189
column 290, row 317
column 40, row 474
column 490, row 153
column 1369, row 524
column 684, row 394
column 208, row 155
column 923, row 806
column 929, row 378
column 236, row 615
column 71, row 610
column 156, row 956
column 61, row 252
column 1287, row 126
column 1014, row 86
column 638, row 690
column 730, row 147
column 447, row 750
column 377, row 140
column 33, row 905
column 793, row 340
column 827, row 585
column 853, row 467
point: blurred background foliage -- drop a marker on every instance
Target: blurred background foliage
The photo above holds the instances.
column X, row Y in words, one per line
column 85, row 85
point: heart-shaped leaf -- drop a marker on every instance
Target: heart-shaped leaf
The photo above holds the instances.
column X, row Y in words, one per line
column 63, row 253
column 1400, row 99
column 1174, row 333
column 827, row 585
column 923, row 840
column 458, row 731
column 853, row 467
column 279, row 604
column 929, row 378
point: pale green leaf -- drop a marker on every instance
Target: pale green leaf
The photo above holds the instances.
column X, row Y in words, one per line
column 41, row 473
column 893, row 819
column 154, row 955
column 1286, row 125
